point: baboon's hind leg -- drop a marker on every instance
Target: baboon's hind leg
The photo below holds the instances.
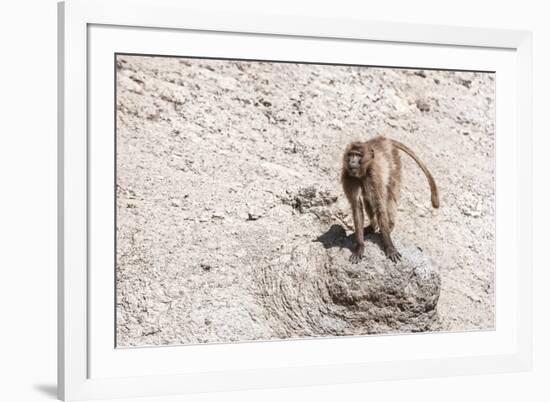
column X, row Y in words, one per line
column 393, row 189
column 383, row 218
column 392, row 212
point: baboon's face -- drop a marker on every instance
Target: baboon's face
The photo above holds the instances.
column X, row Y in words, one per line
column 354, row 162
column 357, row 160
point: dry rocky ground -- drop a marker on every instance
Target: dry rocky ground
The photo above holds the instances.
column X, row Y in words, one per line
column 231, row 221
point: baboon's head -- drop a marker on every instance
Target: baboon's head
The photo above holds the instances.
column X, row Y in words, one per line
column 357, row 158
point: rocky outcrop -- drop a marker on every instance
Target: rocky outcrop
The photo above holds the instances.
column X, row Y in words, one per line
column 315, row 290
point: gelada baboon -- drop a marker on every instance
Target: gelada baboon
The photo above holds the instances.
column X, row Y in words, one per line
column 371, row 177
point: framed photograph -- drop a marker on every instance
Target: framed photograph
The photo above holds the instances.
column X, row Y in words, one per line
column 253, row 201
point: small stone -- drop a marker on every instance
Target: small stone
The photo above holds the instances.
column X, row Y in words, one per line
column 466, row 83
column 422, row 105
column 253, row 216
column 471, row 205
column 420, row 73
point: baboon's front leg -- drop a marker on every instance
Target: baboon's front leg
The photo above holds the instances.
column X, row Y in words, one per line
column 358, row 222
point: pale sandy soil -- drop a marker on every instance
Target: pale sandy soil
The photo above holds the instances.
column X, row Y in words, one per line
column 211, row 156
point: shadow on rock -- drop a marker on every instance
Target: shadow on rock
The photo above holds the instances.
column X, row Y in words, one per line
column 336, row 237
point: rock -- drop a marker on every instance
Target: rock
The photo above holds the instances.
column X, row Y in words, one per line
column 120, row 64
column 130, row 84
column 466, row 83
column 204, row 217
column 309, row 197
column 316, row 291
column 422, row 105
column 471, row 204
column 253, row 216
column 420, row 73
column 205, row 267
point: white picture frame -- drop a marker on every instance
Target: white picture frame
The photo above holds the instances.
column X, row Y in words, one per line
column 89, row 368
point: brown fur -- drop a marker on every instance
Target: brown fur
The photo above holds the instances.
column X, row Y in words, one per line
column 371, row 177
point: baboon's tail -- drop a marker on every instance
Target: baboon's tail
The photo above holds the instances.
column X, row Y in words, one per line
column 431, row 181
